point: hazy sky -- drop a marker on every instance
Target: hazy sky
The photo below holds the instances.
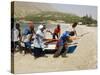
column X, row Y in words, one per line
column 79, row 10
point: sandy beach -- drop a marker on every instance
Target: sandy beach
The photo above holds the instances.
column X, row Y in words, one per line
column 85, row 56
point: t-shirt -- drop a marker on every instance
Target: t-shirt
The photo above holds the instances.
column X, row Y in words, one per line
column 27, row 31
column 63, row 38
column 38, row 40
column 26, row 34
column 15, row 34
column 73, row 29
column 69, row 28
column 56, row 30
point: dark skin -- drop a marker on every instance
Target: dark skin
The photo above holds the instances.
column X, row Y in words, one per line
column 74, row 26
column 18, row 27
column 70, row 39
column 47, row 41
column 31, row 26
column 19, row 36
column 47, row 30
column 58, row 26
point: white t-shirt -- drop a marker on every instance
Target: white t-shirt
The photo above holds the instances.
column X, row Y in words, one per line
column 38, row 40
column 15, row 34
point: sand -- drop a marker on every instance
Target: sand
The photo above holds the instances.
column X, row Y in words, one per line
column 85, row 56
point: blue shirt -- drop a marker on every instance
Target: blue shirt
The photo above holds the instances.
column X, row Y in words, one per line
column 26, row 34
column 63, row 38
column 27, row 31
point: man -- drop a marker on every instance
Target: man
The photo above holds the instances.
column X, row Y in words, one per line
column 73, row 28
column 15, row 36
column 56, row 32
column 62, row 43
column 27, row 35
column 39, row 42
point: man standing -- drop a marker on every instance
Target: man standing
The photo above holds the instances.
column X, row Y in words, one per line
column 56, row 32
column 39, row 42
column 28, row 34
column 73, row 28
column 15, row 36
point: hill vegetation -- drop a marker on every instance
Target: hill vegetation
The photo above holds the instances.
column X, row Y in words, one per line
column 38, row 12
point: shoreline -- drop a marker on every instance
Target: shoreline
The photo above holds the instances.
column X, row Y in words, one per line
column 85, row 56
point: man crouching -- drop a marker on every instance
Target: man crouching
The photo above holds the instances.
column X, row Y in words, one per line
column 62, row 43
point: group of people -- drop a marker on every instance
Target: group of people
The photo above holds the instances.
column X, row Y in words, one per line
column 28, row 37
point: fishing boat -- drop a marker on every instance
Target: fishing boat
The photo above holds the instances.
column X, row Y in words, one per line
column 51, row 47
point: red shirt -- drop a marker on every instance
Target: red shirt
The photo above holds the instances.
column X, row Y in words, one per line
column 57, row 30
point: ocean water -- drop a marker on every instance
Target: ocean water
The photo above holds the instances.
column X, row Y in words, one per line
column 50, row 27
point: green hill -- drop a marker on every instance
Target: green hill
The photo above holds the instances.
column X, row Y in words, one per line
column 44, row 11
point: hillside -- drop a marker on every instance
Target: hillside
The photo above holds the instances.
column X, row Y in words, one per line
column 27, row 8
column 45, row 11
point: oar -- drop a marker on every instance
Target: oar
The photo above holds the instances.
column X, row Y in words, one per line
column 51, row 40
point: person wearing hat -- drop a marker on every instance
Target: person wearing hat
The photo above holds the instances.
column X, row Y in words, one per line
column 28, row 34
column 39, row 42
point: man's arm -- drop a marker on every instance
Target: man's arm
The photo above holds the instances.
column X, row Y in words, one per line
column 59, row 34
column 49, row 31
column 30, row 37
column 73, row 38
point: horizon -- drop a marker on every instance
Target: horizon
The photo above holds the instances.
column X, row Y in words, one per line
column 79, row 10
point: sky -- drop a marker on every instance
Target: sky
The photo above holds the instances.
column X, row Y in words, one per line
column 80, row 10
